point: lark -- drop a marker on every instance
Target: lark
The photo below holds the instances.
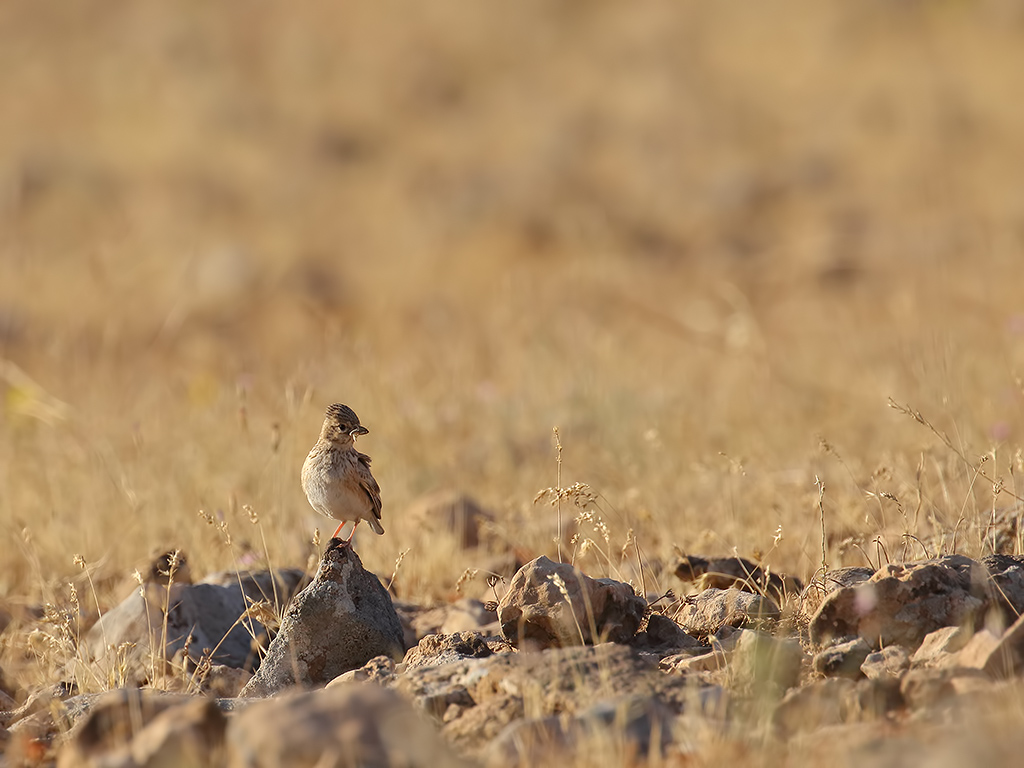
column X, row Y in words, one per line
column 336, row 477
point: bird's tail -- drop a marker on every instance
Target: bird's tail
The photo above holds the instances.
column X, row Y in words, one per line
column 377, row 527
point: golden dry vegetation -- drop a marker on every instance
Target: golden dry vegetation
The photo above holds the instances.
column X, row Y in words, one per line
column 707, row 241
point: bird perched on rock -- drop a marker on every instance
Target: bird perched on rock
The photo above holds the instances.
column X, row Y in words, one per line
column 336, row 477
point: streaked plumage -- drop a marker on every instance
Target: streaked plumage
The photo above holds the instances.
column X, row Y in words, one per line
column 337, row 478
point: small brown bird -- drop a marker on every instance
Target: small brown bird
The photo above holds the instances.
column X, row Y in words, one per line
column 336, row 477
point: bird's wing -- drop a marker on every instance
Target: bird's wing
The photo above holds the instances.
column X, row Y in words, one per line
column 368, row 484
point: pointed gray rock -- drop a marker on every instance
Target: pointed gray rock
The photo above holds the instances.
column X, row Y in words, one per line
column 339, row 622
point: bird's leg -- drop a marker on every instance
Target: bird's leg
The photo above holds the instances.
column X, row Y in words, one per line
column 335, row 534
column 349, row 539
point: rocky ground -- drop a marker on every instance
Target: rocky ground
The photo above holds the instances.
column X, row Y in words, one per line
column 861, row 665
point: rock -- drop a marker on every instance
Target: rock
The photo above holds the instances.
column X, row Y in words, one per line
column 663, row 636
column 469, row 615
column 634, row 724
column 203, row 616
column 1003, row 529
column 685, row 663
column 552, row 604
column 104, row 724
column 900, row 604
column 997, row 656
column 728, row 572
column 725, row 639
column 464, row 615
column 43, row 718
column 939, row 647
column 477, row 698
column 418, row 621
column 980, row 652
column 453, row 513
column 189, row 733
column 225, row 682
column 341, row 620
column 42, row 700
column 889, row 663
column 444, row 649
column 873, row 698
column 826, row 703
column 762, row 660
column 1005, row 585
column 705, row 613
column 345, row 725
column 842, row 660
column 380, row 669
column 275, row 587
column 821, row 587
column 812, row 707
column 925, row 687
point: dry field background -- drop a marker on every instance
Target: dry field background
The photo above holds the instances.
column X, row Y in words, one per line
column 707, row 241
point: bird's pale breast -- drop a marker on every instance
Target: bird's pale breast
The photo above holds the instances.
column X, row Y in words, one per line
column 331, row 482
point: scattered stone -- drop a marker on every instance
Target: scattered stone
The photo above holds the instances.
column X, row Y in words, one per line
column 997, row 657
column 900, row 604
column 763, row 660
column 725, row 639
column 923, row 688
column 419, row 621
column 275, row 587
column 344, row 725
column 889, row 663
column 380, row 669
column 822, row 586
column 842, row 660
column 203, row 617
column 464, row 615
column 43, row 700
column 642, row 695
column 186, row 733
column 633, row 723
column 873, row 698
column 938, row 647
column 663, row 636
column 444, row 649
column 831, row 702
column 223, row 682
column 1005, row 587
column 477, row 698
column 552, row 604
column 340, row 621
column 729, row 572
column 469, row 615
column 705, row 613
column 1003, row 529
column 812, row 706
column 100, row 724
column 685, row 663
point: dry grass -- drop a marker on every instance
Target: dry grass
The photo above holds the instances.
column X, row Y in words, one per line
column 708, row 242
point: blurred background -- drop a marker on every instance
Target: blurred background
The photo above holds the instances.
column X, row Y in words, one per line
column 707, row 241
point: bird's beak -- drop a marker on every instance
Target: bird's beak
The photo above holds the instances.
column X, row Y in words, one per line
column 360, row 430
